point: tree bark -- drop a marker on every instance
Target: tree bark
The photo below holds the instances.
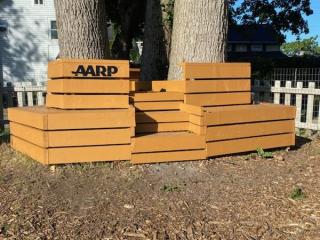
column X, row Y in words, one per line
column 82, row 28
column 199, row 33
column 154, row 62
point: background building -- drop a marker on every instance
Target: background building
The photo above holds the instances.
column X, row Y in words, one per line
column 28, row 39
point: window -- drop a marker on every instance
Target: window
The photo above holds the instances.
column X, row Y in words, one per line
column 229, row 48
column 53, row 30
column 241, row 48
column 256, row 48
column 38, row 2
column 3, row 26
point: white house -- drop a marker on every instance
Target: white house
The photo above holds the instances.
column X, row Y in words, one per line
column 28, row 39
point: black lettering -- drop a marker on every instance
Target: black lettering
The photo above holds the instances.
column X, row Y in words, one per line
column 80, row 70
column 112, row 70
column 90, row 70
column 101, row 71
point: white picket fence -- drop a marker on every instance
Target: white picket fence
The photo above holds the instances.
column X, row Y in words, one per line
column 306, row 99
column 24, row 94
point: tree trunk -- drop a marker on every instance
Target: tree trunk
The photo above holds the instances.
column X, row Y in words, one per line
column 82, row 28
column 153, row 60
column 199, row 33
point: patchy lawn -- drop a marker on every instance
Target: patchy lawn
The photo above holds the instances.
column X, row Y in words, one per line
column 238, row 197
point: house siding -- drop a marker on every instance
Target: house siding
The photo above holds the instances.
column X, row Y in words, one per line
column 26, row 46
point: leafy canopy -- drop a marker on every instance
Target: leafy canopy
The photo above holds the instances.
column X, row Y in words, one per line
column 283, row 15
column 308, row 46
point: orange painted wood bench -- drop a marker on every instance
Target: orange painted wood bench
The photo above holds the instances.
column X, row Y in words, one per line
column 95, row 113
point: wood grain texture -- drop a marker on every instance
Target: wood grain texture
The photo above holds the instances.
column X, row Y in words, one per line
column 175, row 156
column 167, row 142
column 87, row 101
column 57, row 119
column 249, row 144
column 216, row 133
column 64, row 68
column 162, row 117
column 88, row 86
column 218, row 99
column 216, row 70
column 248, row 113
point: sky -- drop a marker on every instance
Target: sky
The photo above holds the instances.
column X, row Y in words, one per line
column 314, row 23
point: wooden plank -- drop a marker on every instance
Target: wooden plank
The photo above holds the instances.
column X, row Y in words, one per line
column 156, row 106
column 249, row 144
column 136, row 86
column 216, row 70
column 248, row 113
column 208, row 86
column 68, row 68
column 162, row 117
column 162, row 127
column 90, row 119
column 216, row 133
column 310, row 104
column 196, row 110
column 35, row 152
column 89, row 154
column 169, row 86
column 57, row 119
column 32, row 116
column 67, row 138
column 87, row 101
column 157, row 96
column 135, row 73
column 30, row 134
column 88, row 86
column 175, row 156
column 89, row 137
column 200, row 130
column 167, row 142
column 218, row 99
column 197, row 120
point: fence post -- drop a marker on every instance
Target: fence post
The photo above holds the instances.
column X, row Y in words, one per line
column 299, row 102
column 310, row 102
column 40, row 99
column 30, row 99
column 277, row 93
column 20, row 96
column 287, row 98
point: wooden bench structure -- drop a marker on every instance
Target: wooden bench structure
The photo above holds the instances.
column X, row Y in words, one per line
column 95, row 113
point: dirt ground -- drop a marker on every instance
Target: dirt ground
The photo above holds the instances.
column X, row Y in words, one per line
column 238, row 197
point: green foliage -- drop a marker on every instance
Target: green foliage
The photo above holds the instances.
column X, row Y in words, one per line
column 297, row 194
column 135, row 56
column 5, row 135
column 308, row 46
column 283, row 15
column 171, row 188
column 168, row 9
column 261, row 153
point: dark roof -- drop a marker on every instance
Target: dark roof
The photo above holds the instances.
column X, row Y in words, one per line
column 248, row 56
column 259, row 33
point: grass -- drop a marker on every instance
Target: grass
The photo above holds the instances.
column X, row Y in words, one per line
column 171, row 188
column 297, row 194
column 263, row 154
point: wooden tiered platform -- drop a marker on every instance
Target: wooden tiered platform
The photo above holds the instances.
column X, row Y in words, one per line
column 86, row 120
column 90, row 115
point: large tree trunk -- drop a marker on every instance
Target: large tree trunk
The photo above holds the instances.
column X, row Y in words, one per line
column 82, row 28
column 153, row 60
column 199, row 33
